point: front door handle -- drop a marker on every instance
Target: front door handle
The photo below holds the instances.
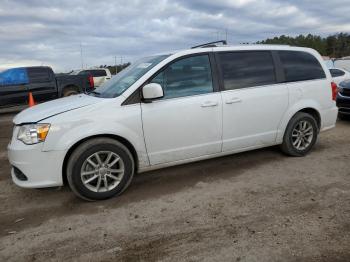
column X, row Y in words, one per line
column 233, row 100
column 209, row 104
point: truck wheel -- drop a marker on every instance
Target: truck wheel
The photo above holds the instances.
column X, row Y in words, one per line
column 100, row 168
column 69, row 91
column 300, row 135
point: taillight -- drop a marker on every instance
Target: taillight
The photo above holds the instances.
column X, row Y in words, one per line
column 334, row 90
column 91, row 81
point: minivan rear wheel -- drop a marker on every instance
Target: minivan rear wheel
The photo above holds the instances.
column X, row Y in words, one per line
column 300, row 135
column 100, row 168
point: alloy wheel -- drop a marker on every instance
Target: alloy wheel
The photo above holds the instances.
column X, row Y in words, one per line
column 302, row 135
column 102, row 171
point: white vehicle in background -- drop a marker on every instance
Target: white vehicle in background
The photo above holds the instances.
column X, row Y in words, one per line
column 175, row 108
column 339, row 75
column 343, row 62
column 100, row 75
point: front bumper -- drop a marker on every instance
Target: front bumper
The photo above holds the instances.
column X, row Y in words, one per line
column 41, row 169
column 343, row 103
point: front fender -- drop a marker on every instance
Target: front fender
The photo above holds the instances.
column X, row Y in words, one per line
column 65, row 131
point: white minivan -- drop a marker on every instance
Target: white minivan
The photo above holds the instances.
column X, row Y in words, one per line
column 175, row 108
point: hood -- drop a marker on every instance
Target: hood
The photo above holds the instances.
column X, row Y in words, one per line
column 55, row 107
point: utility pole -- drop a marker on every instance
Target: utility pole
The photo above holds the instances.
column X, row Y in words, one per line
column 115, row 63
column 81, row 56
column 226, row 35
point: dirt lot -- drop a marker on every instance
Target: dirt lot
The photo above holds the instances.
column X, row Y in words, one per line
column 254, row 206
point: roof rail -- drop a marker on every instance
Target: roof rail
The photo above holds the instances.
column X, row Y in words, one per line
column 210, row 44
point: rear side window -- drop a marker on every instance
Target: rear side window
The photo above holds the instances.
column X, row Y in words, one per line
column 14, row 76
column 85, row 72
column 246, row 69
column 38, row 75
column 336, row 72
column 94, row 73
column 300, row 66
column 97, row 73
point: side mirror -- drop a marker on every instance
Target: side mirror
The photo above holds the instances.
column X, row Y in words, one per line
column 152, row 91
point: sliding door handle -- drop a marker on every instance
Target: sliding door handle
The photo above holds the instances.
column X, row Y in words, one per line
column 233, row 100
column 209, row 104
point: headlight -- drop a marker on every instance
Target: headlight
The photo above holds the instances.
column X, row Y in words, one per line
column 33, row 133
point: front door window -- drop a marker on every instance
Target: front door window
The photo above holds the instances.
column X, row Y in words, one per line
column 186, row 77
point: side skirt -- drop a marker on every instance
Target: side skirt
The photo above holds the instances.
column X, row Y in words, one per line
column 196, row 159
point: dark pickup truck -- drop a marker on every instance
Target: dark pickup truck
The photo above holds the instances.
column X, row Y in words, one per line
column 16, row 83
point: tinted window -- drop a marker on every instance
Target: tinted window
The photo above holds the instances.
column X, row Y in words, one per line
column 14, row 76
column 85, row 72
column 246, row 69
column 94, row 73
column 336, row 72
column 299, row 66
column 97, row 73
column 38, row 75
column 186, row 77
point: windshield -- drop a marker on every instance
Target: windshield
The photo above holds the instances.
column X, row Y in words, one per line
column 123, row 80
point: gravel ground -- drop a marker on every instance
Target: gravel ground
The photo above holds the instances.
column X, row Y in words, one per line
column 253, row 206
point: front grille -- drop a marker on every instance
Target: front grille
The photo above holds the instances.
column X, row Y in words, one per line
column 19, row 174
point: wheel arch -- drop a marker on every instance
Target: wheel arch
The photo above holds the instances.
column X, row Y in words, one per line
column 120, row 139
column 314, row 113
column 310, row 109
column 70, row 86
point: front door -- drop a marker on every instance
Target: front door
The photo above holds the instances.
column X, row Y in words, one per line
column 42, row 83
column 187, row 122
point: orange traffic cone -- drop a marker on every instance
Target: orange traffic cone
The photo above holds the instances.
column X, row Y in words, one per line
column 31, row 100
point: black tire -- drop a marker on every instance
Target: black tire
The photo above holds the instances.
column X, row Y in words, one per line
column 70, row 91
column 83, row 152
column 287, row 145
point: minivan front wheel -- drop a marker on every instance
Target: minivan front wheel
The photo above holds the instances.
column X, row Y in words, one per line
column 100, row 168
column 300, row 135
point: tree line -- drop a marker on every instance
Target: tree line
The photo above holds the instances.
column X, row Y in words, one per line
column 335, row 46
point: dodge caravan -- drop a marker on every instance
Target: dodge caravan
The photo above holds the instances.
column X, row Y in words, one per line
column 174, row 108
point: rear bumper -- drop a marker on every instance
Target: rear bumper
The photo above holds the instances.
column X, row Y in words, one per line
column 343, row 103
column 329, row 118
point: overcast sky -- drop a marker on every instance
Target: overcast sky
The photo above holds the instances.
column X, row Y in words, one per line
column 50, row 32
